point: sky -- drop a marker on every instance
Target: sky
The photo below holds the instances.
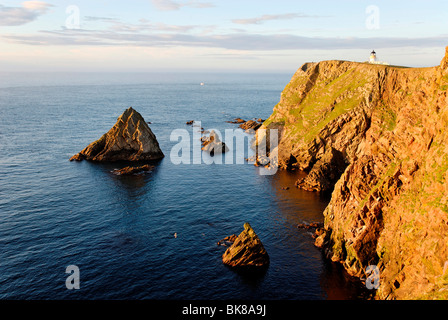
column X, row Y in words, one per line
column 216, row 35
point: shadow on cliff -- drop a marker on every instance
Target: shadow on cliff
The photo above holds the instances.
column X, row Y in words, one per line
column 339, row 285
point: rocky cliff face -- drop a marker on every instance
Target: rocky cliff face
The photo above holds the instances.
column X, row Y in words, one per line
column 376, row 136
column 130, row 139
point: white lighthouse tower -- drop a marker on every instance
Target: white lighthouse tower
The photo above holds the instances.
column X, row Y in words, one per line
column 373, row 57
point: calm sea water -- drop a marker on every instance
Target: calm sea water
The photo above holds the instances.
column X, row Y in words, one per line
column 119, row 230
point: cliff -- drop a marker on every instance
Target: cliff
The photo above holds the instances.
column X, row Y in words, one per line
column 130, row 139
column 375, row 136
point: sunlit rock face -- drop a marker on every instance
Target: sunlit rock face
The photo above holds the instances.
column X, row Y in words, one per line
column 130, row 139
column 246, row 251
column 376, row 137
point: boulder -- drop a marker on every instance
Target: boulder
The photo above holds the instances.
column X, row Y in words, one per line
column 213, row 145
column 237, row 120
column 130, row 139
column 246, row 251
column 250, row 125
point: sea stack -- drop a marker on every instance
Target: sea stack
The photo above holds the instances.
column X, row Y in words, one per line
column 246, row 251
column 130, row 139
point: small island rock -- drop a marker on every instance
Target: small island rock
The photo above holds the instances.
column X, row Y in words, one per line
column 246, row 251
column 213, row 145
column 130, row 139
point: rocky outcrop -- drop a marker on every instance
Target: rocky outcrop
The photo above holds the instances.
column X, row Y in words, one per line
column 237, row 120
column 250, row 125
column 213, row 145
column 375, row 135
column 130, row 139
column 246, row 250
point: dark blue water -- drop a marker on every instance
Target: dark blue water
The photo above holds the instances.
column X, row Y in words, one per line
column 119, row 230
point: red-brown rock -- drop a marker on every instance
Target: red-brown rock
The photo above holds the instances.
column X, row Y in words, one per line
column 246, row 251
column 126, row 171
column 130, row 139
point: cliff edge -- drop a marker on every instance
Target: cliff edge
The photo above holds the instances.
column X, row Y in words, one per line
column 375, row 136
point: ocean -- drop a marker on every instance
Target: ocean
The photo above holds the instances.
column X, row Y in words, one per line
column 119, row 230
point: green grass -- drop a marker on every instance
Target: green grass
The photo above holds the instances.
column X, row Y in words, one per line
column 436, row 295
column 388, row 118
column 324, row 103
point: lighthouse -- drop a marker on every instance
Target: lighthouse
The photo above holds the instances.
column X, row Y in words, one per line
column 373, row 57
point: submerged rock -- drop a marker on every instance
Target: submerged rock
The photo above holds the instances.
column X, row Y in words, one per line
column 126, row 171
column 311, row 225
column 246, row 251
column 130, row 139
column 237, row 120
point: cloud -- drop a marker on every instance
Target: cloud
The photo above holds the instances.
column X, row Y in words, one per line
column 29, row 11
column 36, row 5
column 170, row 5
column 233, row 41
column 269, row 17
column 102, row 19
column 143, row 25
